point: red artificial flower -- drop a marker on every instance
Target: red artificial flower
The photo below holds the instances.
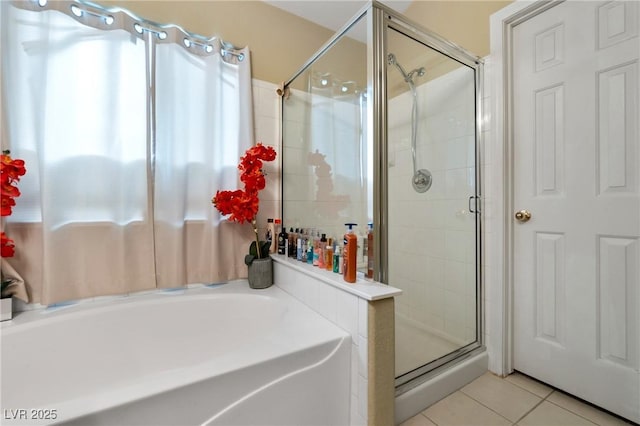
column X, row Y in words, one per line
column 11, row 169
column 6, row 246
column 9, row 190
column 242, row 205
column 10, row 172
column 263, row 152
column 6, row 204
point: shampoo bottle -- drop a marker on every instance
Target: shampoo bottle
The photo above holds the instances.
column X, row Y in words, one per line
column 270, row 235
column 321, row 251
column 283, row 240
column 337, row 261
column 328, row 255
column 291, row 237
column 310, row 251
column 350, row 255
column 316, row 249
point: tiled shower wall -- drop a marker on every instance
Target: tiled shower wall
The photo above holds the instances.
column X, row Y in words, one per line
column 267, row 130
column 432, row 234
column 326, row 181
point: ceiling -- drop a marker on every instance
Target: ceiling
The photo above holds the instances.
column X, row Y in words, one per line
column 332, row 14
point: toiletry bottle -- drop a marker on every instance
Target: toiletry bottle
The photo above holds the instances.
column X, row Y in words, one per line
column 303, row 250
column 271, row 231
column 291, row 244
column 328, row 255
column 321, row 251
column 337, row 260
column 350, row 255
column 370, row 251
column 298, row 249
column 283, row 239
column 316, row 245
column 310, row 251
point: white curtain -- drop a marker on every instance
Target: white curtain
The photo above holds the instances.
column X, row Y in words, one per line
column 75, row 104
column 203, row 107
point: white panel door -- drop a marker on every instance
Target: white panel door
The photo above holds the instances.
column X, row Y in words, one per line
column 576, row 170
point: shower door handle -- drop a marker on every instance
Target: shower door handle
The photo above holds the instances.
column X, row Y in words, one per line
column 476, row 200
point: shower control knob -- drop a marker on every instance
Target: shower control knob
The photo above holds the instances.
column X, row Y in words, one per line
column 523, row 215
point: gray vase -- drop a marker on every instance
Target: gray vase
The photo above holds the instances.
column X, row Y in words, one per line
column 261, row 273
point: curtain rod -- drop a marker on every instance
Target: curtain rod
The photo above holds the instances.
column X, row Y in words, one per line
column 111, row 18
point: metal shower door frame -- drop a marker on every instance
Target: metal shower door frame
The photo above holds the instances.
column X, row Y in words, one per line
column 379, row 19
column 382, row 20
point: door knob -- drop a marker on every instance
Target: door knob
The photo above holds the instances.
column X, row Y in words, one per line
column 523, row 216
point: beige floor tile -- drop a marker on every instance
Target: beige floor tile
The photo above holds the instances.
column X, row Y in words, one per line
column 418, row 420
column 585, row 410
column 501, row 396
column 548, row 414
column 460, row 410
column 529, row 384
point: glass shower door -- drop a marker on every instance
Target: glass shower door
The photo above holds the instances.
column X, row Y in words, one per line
column 432, row 223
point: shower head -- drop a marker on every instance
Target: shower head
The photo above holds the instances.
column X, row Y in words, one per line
column 420, row 71
column 408, row 77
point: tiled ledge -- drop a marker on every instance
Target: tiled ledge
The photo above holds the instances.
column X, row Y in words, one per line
column 364, row 309
column 364, row 289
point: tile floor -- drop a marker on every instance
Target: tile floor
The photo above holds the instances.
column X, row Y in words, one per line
column 515, row 400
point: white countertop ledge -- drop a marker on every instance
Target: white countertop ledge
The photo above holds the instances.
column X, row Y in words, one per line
column 365, row 289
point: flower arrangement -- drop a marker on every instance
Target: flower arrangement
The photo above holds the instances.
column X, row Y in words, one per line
column 10, row 172
column 242, row 205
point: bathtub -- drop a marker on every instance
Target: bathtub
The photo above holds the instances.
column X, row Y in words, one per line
column 224, row 355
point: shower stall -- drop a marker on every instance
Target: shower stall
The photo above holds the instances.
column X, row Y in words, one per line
column 381, row 128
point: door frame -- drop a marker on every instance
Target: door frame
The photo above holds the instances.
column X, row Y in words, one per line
column 499, row 175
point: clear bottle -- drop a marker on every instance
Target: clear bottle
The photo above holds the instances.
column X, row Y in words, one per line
column 304, row 251
column 316, row 246
column 310, row 251
column 328, row 255
column 292, row 245
column 337, row 260
column 321, row 251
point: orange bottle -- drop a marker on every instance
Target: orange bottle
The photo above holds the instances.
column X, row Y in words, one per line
column 349, row 256
column 329, row 255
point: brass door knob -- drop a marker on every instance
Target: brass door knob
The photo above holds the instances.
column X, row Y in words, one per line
column 523, row 216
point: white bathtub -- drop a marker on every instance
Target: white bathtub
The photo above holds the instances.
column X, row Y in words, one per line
column 221, row 356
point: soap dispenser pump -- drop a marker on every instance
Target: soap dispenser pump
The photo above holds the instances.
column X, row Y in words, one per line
column 350, row 254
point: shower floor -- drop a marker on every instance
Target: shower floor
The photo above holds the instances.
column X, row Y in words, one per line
column 416, row 346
